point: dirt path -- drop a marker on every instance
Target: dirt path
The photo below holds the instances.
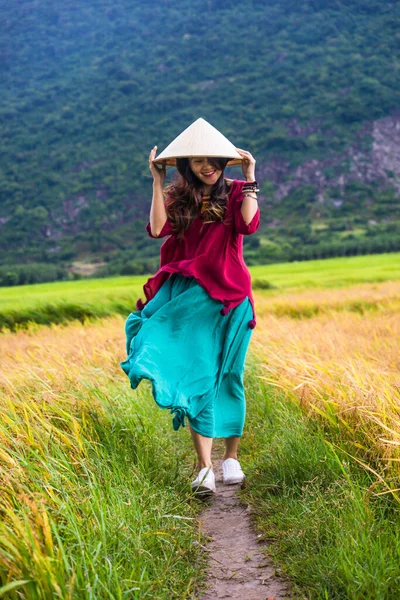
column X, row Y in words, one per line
column 238, row 568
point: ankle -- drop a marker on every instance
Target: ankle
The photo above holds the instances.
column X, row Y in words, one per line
column 201, row 464
column 230, row 455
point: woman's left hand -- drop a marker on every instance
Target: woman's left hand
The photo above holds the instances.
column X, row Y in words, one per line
column 248, row 165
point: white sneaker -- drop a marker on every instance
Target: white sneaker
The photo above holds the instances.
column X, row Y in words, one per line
column 204, row 483
column 232, row 471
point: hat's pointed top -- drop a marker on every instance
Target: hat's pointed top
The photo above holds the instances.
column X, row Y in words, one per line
column 199, row 139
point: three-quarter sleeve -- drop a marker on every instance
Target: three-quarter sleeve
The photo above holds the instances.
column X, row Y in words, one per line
column 240, row 225
column 166, row 230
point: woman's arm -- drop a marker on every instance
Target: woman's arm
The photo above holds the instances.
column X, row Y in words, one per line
column 158, row 214
column 249, row 208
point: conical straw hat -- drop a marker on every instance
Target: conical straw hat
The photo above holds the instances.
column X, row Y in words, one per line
column 199, row 139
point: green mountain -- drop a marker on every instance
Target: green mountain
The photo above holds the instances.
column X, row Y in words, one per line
column 311, row 89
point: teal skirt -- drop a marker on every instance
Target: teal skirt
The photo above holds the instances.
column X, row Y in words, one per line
column 193, row 356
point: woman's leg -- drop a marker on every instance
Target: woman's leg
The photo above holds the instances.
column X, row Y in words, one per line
column 231, row 447
column 203, row 446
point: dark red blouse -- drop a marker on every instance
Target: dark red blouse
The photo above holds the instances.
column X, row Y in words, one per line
column 212, row 255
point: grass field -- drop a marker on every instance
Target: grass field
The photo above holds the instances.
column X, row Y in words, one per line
column 320, row 512
column 342, row 362
column 94, row 497
column 65, row 301
column 95, row 500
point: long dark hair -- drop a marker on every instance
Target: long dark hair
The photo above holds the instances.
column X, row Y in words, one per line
column 184, row 196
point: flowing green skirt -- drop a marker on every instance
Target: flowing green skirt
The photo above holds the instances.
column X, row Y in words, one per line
column 193, row 355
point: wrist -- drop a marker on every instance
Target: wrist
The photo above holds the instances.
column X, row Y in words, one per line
column 250, row 179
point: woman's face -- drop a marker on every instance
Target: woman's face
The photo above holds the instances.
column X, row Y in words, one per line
column 202, row 168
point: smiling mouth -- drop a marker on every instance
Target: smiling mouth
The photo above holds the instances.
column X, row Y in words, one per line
column 210, row 174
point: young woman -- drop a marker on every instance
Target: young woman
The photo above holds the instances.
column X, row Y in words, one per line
column 191, row 337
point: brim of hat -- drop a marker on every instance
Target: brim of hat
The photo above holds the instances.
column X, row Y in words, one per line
column 171, row 162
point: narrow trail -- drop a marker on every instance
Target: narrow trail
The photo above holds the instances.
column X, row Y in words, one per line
column 238, row 568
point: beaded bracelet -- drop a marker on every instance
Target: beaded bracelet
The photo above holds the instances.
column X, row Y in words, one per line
column 251, row 196
column 250, row 188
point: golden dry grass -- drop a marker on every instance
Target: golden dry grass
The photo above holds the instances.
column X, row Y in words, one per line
column 47, row 370
column 49, row 357
column 356, row 298
column 78, row 462
column 339, row 360
column 53, row 367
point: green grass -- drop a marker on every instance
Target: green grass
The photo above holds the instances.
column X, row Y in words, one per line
column 111, row 479
column 91, row 298
column 62, row 302
column 327, row 529
column 89, row 291
column 331, row 272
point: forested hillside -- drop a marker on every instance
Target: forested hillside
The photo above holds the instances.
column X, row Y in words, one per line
column 311, row 89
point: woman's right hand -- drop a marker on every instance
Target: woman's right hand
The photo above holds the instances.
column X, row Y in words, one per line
column 158, row 172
